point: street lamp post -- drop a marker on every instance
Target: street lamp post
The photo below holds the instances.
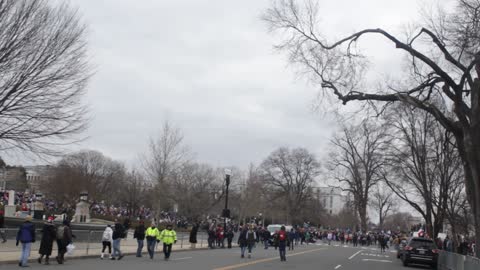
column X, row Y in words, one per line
column 226, row 211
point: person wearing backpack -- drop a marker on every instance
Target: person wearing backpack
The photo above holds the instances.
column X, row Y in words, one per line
column 64, row 238
column 49, row 234
column 118, row 234
column 107, row 241
column 282, row 243
column 139, row 234
column 26, row 236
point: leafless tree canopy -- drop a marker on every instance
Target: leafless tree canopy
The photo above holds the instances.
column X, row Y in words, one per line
column 166, row 155
column 357, row 163
column 89, row 171
column 383, row 201
column 444, row 65
column 43, row 75
column 424, row 164
column 290, row 172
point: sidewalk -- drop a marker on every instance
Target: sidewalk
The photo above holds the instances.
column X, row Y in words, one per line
column 10, row 254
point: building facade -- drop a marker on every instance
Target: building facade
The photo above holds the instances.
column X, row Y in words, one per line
column 332, row 199
column 37, row 176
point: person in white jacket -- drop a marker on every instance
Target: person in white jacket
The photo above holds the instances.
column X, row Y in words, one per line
column 107, row 241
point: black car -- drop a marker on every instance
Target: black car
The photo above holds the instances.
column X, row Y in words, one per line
column 420, row 251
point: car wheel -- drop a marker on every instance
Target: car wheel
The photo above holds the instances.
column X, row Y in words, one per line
column 434, row 266
column 404, row 261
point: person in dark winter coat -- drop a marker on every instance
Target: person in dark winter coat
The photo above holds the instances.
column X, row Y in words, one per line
column 193, row 235
column 26, row 236
column 49, row 233
column 64, row 238
column 229, row 236
column 2, row 226
column 242, row 241
column 118, row 233
column 139, row 234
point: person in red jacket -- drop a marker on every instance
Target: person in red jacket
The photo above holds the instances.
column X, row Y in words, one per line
column 220, row 236
column 282, row 243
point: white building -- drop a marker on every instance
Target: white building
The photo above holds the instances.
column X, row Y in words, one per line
column 332, row 199
column 37, row 176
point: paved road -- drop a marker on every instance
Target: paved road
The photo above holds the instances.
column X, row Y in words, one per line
column 304, row 257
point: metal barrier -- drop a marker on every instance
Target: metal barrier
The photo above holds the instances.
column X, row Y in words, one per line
column 90, row 242
column 454, row 261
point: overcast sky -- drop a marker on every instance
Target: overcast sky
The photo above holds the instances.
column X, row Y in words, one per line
column 209, row 68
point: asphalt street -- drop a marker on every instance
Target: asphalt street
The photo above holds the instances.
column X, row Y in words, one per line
column 314, row 256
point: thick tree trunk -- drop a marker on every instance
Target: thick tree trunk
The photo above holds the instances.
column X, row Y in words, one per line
column 469, row 147
column 362, row 212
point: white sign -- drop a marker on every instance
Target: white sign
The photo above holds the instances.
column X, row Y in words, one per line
column 228, row 172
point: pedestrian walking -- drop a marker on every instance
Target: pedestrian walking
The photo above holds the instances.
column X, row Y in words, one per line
column 251, row 240
column 211, row 237
column 64, row 238
column 220, row 233
column 153, row 238
column 118, row 233
column 229, row 236
column 168, row 237
column 2, row 227
column 193, row 235
column 139, row 234
column 291, row 239
column 242, row 241
column 26, row 236
column 265, row 237
column 107, row 241
column 49, row 233
column 282, row 243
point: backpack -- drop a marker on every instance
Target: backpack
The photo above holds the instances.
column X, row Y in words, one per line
column 251, row 236
column 60, row 232
column 282, row 236
column 122, row 232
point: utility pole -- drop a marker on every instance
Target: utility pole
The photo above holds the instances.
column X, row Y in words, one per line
column 226, row 211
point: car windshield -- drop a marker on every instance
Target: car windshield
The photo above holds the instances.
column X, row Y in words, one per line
column 272, row 229
column 417, row 243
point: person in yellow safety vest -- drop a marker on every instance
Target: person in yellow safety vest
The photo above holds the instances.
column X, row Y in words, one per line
column 168, row 237
column 153, row 237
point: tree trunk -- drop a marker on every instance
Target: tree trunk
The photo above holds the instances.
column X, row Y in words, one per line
column 362, row 212
column 469, row 147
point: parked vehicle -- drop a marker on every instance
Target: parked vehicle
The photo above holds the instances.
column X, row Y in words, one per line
column 420, row 250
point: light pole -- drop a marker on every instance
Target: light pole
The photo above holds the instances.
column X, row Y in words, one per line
column 226, row 211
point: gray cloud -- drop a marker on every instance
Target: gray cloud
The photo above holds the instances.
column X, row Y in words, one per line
column 209, row 67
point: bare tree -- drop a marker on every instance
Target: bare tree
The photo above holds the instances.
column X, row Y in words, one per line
column 290, row 174
column 133, row 189
column 398, row 221
column 44, row 71
column 167, row 153
column 424, row 164
column 357, row 163
column 89, row 171
column 444, row 64
column 191, row 189
column 383, row 201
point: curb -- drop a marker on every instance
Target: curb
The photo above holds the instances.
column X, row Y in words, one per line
column 94, row 256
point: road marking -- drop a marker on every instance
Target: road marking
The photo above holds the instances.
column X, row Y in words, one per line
column 373, row 260
column 351, row 257
column 338, row 266
column 235, row 266
column 184, row 258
